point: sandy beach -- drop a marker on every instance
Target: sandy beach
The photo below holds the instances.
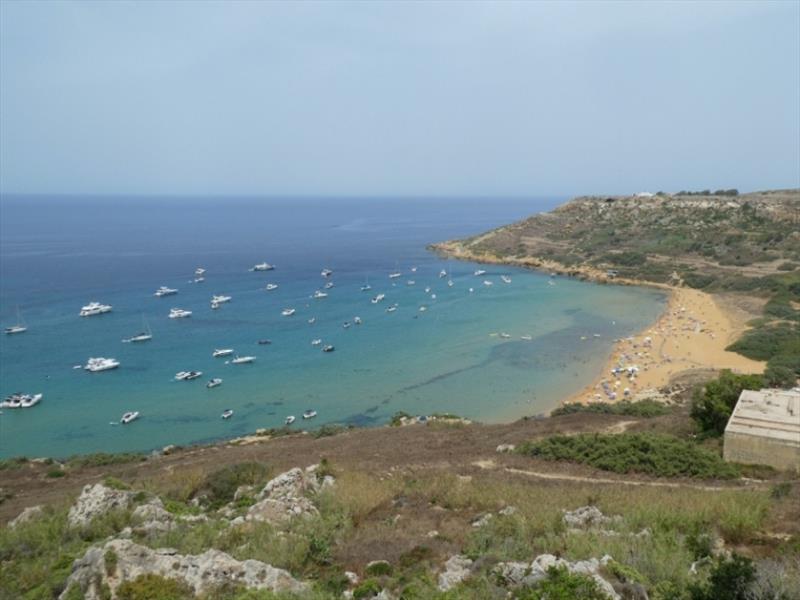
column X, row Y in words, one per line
column 692, row 333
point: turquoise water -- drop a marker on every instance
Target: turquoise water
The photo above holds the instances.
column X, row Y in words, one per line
column 59, row 254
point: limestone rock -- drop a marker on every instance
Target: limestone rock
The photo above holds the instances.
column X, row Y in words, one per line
column 154, row 517
column 518, row 574
column 201, row 572
column 96, row 500
column 506, row 448
column 587, row 516
column 286, row 496
column 456, row 570
column 30, row 513
column 508, row 511
column 483, row 520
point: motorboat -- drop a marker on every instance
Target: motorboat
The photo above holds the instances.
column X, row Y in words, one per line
column 214, row 383
column 326, row 272
column 312, row 320
column 19, row 400
column 395, row 275
column 289, row 420
column 450, row 283
column 264, row 266
column 165, row 291
column 318, row 295
column 471, row 290
column 199, row 271
column 442, row 274
column 392, row 308
column 413, row 269
column 271, row 286
column 242, row 360
column 428, row 290
column 423, row 308
column 479, row 272
column 179, row 313
column 527, row 338
column 505, row 278
column 215, row 305
column 94, row 308
column 222, row 352
column 378, row 298
column 187, row 375
column 411, row 282
column 505, row 336
column 264, row 342
column 20, row 327
column 309, row 414
column 288, row 312
column 433, row 296
column 357, row 320
column 328, row 285
column 316, row 342
column 95, row 365
column 328, row 348
column 220, row 299
column 129, row 417
column 488, row 283
column 366, row 287
column 346, row 324
column 227, row 414
column 142, row 336
column 199, row 279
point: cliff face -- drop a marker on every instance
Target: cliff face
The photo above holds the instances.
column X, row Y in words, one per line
column 701, row 239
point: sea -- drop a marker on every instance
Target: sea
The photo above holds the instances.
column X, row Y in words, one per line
column 463, row 354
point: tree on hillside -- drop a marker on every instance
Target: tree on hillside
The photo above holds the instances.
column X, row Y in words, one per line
column 713, row 403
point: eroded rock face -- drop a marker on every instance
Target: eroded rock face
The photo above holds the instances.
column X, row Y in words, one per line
column 521, row 574
column 96, row 500
column 587, row 516
column 201, row 572
column 153, row 517
column 29, row 514
column 456, row 570
column 286, row 496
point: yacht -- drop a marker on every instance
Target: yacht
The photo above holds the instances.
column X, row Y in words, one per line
column 479, row 272
column 505, row 336
column 271, row 286
column 165, row 291
column 411, row 282
column 433, row 296
column 471, row 290
column 21, row 400
column 428, row 290
column 395, row 275
column 346, row 324
column 20, row 327
column 357, row 320
column 326, row 272
column 312, row 320
column 199, row 271
column 423, row 308
column 442, row 274
column 214, row 305
column 222, row 352
column 449, row 283
column 179, row 313
column 328, row 348
column 220, row 299
column 505, row 278
column 242, row 360
column 95, row 365
column 487, row 283
column 392, row 308
column 142, row 336
column 288, row 312
column 187, row 375
column 527, row 338
column 129, row 417
column 378, row 298
column 227, row 414
column 262, row 267
column 366, row 287
column 316, row 342
column 94, row 308
column 289, row 420
column 413, row 269
column 317, row 295
column 199, row 279
column 214, row 383
column 309, row 414
column 327, row 285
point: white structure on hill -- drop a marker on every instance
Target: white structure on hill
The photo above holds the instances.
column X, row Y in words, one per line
column 765, row 429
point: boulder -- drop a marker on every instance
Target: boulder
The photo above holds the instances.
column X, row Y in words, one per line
column 202, row 572
column 286, row 496
column 96, row 500
column 587, row 516
column 29, row 514
column 456, row 570
column 153, row 517
column 483, row 520
column 521, row 574
column 506, row 448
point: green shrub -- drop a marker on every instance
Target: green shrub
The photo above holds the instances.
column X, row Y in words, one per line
column 652, row 454
column 221, row 485
column 110, row 559
column 643, row 408
column 379, row 567
column 367, row 589
column 713, row 403
column 102, row 459
column 397, row 418
column 56, row 472
column 13, row 463
column 115, row 484
column 779, row 377
column 154, row 587
column 730, row 578
column 560, row 584
column 780, row 490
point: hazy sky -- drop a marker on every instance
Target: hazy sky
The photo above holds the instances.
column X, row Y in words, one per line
column 398, row 98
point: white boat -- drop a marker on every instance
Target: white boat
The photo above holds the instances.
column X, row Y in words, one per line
column 479, row 272
column 199, row 271
column 220, row 299
column 357, row 320
column 242, row 360
column 392, row 308
column 142, row 336
column 471, row 290
column 328, row 348
column 346, row 324
column 488, row 283
column 129, row 417
column 366, row 287
column 289, row 420
column 442, row 274
column 395, row 275
column 20, row 327
column 378, row 298
column 527, row 338
column 288, row 312
column 19, row 400
column 214, row 383
column 187, row 375
column 328, row 285
column 316, row 342
column 326, row 272
column 94, row 308
column 309, row 414
column 505, row 278
column 199, row 279
column 449, row 283
column 433, row 296
column 505, row 336
column 262, row 267
column 227, row 414
column 95, row 365
column 312, row 320
column 411, row 282
column 423, row 308
column 271, row 286
column 179, row 313
column 318, row 295
column 413, row 269
column 214, row 305
column 165, row 291
column 222, row 352
column 428, row 290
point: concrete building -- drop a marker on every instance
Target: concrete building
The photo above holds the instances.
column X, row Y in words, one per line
column 764, row 429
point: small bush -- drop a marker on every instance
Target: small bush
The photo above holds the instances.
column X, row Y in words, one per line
column 13, row 463
column 730, row 578
column 560, row 584
column 110, row 559
column 780, row 490
column 220, row 486
column 115, row 484
column 643, row 408
column 367, row 589
column 378, row 567
column 56, row 472
column 102, row 459
column 154, row 587
column 397, row 418
column 713, row 403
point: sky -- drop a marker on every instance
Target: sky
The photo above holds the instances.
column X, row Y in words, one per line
column 399, row 99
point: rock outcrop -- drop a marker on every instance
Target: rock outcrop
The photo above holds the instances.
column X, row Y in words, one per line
column 456, row 570
column 522, row 574
column 96, row 500
column 286, row 496
column 29, row 514
column 153, row 517
column 587, row 516
column 202, row 572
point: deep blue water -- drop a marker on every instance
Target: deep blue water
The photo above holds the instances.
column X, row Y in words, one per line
column 57, row 254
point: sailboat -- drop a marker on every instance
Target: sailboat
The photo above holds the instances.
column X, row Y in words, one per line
column 20, row 327
column 143, row 336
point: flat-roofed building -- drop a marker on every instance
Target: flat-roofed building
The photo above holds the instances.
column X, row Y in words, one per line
column 764, row 429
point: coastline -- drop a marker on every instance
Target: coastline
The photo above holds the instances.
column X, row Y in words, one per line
column 690, row 334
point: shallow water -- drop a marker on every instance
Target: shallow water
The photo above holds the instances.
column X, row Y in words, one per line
column 58, row 254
